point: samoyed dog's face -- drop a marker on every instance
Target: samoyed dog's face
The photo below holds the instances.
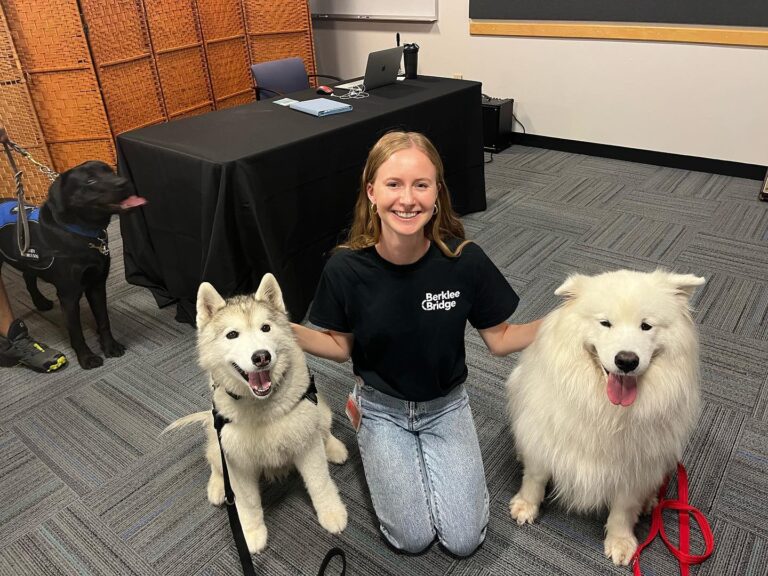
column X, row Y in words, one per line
column 246, row 339
column 627, row 319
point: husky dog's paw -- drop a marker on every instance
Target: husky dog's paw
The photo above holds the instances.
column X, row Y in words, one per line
column 522, row 510
column 216, row 489
column 334, row 519
column 620, row 549
column 335, row 451
column 256, row 538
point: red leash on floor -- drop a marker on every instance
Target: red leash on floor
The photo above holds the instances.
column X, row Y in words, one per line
column 684, row 558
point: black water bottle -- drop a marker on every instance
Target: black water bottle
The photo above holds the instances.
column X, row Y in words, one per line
column 411, row 59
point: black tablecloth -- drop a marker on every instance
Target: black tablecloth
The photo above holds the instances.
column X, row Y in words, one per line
column 260, row 188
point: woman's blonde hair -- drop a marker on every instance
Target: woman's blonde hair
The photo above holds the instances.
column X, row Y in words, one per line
column 366, row 225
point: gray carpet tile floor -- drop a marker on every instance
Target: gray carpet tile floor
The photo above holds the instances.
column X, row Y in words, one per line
column 88, row 485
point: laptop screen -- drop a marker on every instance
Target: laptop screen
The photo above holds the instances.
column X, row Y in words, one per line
column 381, row 70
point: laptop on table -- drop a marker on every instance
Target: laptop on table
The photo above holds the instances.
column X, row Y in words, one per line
column 381, row 69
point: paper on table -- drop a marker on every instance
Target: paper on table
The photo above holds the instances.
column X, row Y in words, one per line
column 284, row 101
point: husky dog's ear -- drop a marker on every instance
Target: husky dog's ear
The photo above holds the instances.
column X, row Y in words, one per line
column 685, row 284
column 208, row 302
column 571, row 287
column 269, row 292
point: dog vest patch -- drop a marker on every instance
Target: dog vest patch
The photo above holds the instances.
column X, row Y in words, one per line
column 9, row 210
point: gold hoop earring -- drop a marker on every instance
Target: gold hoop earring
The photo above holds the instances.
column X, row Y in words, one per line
column 437, row 208
column 373, row 208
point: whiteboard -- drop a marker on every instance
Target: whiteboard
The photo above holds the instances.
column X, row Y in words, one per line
column 408, row 10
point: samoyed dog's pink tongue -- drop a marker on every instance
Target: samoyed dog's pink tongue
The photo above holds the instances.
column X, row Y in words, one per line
column 260, row 382
column 622, row 390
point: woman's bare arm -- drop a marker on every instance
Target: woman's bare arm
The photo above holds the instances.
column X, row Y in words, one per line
column 328, row 344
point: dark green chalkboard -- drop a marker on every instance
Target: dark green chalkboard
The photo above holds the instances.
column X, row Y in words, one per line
column 697, row 12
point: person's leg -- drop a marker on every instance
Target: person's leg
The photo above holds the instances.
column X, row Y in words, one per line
column 6, row 314
column 455, row 472
column 16, row 345
column 394, row 471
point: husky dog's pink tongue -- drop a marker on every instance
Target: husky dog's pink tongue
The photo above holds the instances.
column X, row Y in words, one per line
column 622, row 390
column 260, row 382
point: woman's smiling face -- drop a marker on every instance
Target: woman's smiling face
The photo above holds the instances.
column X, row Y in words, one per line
column 404, row 192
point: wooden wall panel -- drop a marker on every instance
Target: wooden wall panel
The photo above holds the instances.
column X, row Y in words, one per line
column 19, row 118
column 54, row 55
column 122, row 55
column 279, row 30
column 84, row 77
column 226, row 49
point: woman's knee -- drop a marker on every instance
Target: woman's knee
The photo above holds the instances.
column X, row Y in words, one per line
column 407, row 539
column 462, row 543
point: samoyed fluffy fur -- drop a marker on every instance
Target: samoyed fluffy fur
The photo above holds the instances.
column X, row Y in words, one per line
column 259, row 377
column 604, row 400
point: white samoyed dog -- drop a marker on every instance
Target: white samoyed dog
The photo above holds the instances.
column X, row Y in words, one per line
column 605, row 398
column 261, row 384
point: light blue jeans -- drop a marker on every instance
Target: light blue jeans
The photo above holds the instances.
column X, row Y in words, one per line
column 424, row 470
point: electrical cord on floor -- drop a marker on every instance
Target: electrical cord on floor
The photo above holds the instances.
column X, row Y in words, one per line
column 490, row 159
column 518, row 121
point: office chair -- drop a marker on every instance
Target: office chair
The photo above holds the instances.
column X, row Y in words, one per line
column 278, row 77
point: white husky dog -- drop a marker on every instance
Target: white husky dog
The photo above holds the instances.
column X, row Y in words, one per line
column 605, row 398
column 259, row 379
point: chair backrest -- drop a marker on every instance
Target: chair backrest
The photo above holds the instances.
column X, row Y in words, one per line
column 279, row 77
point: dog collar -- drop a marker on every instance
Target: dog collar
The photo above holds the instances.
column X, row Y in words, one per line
column 83, row 230
column 310, row 394
column 100, row 236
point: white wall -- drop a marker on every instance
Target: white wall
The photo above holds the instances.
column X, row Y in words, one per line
column 699, row 100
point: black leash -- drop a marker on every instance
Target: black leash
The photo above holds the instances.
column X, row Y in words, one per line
column 332, row 553
column 229, row 500
column 22, row 223
column 229, row 496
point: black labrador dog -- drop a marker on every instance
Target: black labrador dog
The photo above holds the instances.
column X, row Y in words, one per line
column 69, row 249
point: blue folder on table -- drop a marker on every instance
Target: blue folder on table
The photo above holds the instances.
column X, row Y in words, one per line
column 321, row 107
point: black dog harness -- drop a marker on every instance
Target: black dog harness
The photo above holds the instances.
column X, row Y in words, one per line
column 229, row 496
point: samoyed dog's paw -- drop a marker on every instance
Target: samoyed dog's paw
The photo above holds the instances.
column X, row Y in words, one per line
column 650, row 504
column 620, row 549
column 523, row 511
column 216, row 490
column 335, row 451
column 333, row 519
column 256, row 538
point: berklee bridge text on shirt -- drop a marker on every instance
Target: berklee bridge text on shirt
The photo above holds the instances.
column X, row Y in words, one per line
column 444, row 300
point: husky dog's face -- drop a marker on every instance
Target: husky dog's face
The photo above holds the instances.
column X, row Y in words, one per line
column 627, row 318
column 246, row 337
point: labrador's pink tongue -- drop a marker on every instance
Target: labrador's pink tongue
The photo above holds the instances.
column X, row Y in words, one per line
column 133, row 202
column 259, row 381
column 622, row 389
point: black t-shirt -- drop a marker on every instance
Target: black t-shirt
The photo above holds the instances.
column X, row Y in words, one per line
column 408, row 321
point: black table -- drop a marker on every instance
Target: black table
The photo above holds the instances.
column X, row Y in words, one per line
column 260, row 188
